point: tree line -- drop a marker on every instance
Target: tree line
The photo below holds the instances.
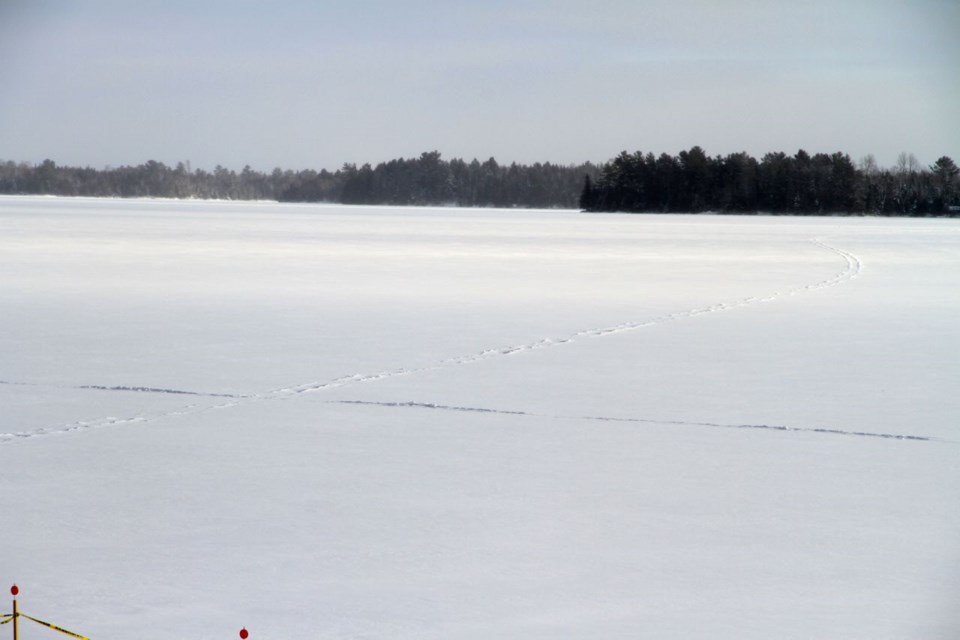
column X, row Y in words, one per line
column 800, row 184
column 691, row 181
column 427, row 180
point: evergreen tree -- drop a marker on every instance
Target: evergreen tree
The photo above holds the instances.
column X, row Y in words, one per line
column 587, row 195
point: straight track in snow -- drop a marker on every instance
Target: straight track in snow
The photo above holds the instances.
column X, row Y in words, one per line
column 652, row 421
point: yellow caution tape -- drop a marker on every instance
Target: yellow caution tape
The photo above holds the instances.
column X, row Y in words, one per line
column 55, row 627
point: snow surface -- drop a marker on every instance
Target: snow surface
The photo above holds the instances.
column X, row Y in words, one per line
column 358, row 422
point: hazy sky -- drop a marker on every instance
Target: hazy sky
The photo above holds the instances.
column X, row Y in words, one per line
column 317, row 83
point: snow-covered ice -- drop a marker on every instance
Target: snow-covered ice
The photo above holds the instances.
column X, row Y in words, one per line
column 360, row 422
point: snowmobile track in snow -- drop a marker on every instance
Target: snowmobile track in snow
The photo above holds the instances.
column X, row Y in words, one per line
column 851, row 270
column 654, row 421
column 137, row 389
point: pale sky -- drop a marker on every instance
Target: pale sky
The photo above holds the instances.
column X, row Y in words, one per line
column 314, row 83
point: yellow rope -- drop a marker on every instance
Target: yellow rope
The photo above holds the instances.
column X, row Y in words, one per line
column 56, row 628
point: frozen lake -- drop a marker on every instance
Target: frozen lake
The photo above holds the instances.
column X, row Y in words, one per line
column 360, row 422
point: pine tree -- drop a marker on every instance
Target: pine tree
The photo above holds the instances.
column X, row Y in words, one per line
column 587, row 196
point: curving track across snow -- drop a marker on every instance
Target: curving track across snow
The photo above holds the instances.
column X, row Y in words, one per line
column 851, row 270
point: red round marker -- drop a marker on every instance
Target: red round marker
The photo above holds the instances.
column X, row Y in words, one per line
column 14, row 589
column 244, row 633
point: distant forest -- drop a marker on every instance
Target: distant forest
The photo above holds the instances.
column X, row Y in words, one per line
column 427, row 180
column 797, row 185
column 691, row 181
